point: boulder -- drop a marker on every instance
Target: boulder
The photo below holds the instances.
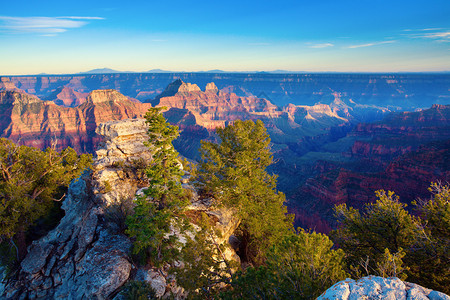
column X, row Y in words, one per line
column 375, row 287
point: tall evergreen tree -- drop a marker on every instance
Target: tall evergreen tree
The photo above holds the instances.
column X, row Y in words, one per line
column 157, row 213
column 234, row 173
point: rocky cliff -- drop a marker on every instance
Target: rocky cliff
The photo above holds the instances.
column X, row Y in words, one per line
column 212, row 108
column 403, row 153
column 66, row 96
column 374, row 287
column 87, row 256
column 33, row 122
column 400, row 133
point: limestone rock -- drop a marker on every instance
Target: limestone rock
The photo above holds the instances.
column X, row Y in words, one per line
column 121, row 152
column 155, row 278
column 87, row 255
column 375, row 287
column 211, row 88
column 98, row 96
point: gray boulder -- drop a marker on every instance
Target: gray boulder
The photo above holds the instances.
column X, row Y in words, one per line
column 375, row 287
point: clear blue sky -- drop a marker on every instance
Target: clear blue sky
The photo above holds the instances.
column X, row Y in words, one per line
column 317, row 35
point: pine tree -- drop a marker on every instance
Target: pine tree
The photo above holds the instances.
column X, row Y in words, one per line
column 430, row 256
column 302, row 265
column 234, row 173
column 158, row 213
column 383, row 230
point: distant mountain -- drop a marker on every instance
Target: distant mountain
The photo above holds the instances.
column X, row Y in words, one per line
column 159, row 71
column 215, row 71
column 102, row 71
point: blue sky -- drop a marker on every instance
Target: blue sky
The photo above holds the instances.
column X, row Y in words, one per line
column 313, row 36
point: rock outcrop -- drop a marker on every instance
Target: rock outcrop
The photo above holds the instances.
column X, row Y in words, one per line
column 374, row 287
column 213, row 108
column 68, row 97
column 33, row 122
column 87, row 256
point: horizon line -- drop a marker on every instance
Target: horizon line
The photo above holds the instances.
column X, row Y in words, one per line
column 275, row 72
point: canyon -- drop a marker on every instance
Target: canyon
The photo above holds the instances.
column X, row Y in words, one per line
column 342, row 137
column 407, row 91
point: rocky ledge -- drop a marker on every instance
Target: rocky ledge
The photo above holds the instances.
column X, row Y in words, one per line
column 87, row 256
column 375, row 287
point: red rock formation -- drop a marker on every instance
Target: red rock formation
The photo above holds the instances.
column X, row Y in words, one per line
column 404, row 153
column 66, row 96
column 401, row 133
column 33, row 122
column 213, row 108
column 7, row 85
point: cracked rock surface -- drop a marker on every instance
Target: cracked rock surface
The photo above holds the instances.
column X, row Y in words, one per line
column 375, row 287
column 87, row 256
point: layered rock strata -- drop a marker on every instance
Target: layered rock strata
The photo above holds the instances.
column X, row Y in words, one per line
column 30, row 121
column 408, row 91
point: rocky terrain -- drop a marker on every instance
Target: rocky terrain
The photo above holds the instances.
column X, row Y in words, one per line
column 408, row 91
column 404, row 153
column 33, row 122
column 325, row 153
column 87, row 256
column 374, row 287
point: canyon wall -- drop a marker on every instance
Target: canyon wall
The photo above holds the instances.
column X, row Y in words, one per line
column 407, row 91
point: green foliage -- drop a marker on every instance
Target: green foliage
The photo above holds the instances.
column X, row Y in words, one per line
column 431, row 255
column 382, row 225
column 106, row 187
column 156, row 214
column 8, row 256
column 391, row 265
column 204, row 269
column 134, row 169
column 30, row 180
column 164, row 171
column 138, row 290
column 300, row 266
column 234, row 172
column 385, row 238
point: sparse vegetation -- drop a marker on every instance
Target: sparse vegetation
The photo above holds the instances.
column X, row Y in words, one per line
column 138, row 290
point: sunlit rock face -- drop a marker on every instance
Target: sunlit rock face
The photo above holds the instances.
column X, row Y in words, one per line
column 30, row 121
column 87, row 256
column 374, row 287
